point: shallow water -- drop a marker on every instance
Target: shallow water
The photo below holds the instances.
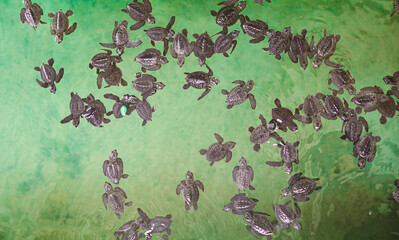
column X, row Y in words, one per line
column 51, row 174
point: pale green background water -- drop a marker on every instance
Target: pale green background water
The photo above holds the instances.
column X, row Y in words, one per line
column 51, row 174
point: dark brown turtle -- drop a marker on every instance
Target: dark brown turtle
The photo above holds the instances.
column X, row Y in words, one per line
column 95, row 111
column 392, row 80
column 49, row 75
column 60, row 25
column 288, row 154
column 229, row 14
column 114, row 78
column 283, row 117
column 120, row 38
column 121, row 107
column 143, row 108
column 261, row 1
column 151, row 60
column 154, row 225
column 31, row 13
column 325, row 48
column 115, row 199
column 313, row 109
column 240, row 204
column 224, row 42
column 395, row 194
column 240, row 94
column 103, row 61
column 263, row 133
column 243, row 175
column 395, row 7
column 334, row 106
column 342, row 79
column 190, row 191
column 203, row 47
column 365, row 149
column 256, row 29
column 181, row 47
column 158, row 34
column 279, row 42
column 300, row 187
column 387, row 109
column 369, row 99
column 353, row 126
column 286, row 216
column 219, row 150
column 201, row 80
column 301, row 50
column 139, row 12
column 113, row 168
column 147, row 84
column 77, row 108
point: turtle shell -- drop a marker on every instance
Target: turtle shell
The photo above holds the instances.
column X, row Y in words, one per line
column 203, row 46
column 198, row 80
column 137, row 11
column 254, row 29
column 366, row 146
column 116, row 202
column 216, row 152
column 113, row 171
column 278, row 44
column 144, row 110
column 160, row 224
column 288, row 153
column 260, row 135
column 304, row 186
column 284, row 116
column 33, row 15
column 76, row 105
column 237, row 95
column 47, row 73
column 244, row 177
column 353, row 130
column 312, row 106
column 115, row 77
column 101, row 61
column 227, row 16
column 156, row 34
column 60, row 22
column 243, row 203
column 148, row 58
column 387, row 108
column 326, row 46
column 222, row 44
column 334, row 104
column 180, row 44
column 191, row 194
column 144, row 83
column 341, row 78
column 284, row 213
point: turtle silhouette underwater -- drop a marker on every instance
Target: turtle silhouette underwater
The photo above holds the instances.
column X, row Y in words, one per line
column 243, row 175
column 288, row 154
column 139, row 12
column 158, row 34
column 154, row 225
column 300, row 187
column 31, row 14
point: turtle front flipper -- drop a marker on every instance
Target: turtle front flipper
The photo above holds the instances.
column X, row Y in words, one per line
column 42, row 84
column 59, row 75
column 67, row 119
column 252, row 101
column 137, row 25
column 199, row 184
column 180, row 187
column 108, row 45
column 71, row 29
column 275, row 163
column 229, row 155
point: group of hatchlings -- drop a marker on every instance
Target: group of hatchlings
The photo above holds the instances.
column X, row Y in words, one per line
column 298, row 49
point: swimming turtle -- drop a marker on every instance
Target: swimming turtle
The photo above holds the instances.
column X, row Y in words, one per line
column 103, row 61
column 190, row 190
column 77, row 108
column 121, row 106
column 256, row 29
column 325, row 48
column 283, row 117
column 139, row 12
column 243, row 175
column 288, row 154
column 301, row 50
column 114, row 78
column 395, row 7
column 49, row 75
column 158, row 34
column 147, row 84
column 143, row 108
column 387, row 109
column 181, row 47
column 313, row 109
column 365, row 149
column 334, row 106
column 353, row 126
column 154, row 225
column 395, row 194
column 260, row 226
column 229, row 14
column 95, row 111
column 203, row 47
column 279, row 42
column 369, row 99
column 120, row 38
column 60, row 25
column 201, row 80
column 240, row 94
column 31, row 13
column 263, row 133
column 342, row 79
column 261, row 1
column 115, row 199
column 113, row 168
column 300, row 187
column 226, row 41
column 219, row 150
column 150, row 60
column 129, row 231
column 240, row 204
column 392, row 80
column 286, row 216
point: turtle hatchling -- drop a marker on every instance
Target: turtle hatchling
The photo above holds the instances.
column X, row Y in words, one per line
column 301, row 50
column 392, row 80
column 181, row 47
column 229, row 14
column 129, row 231
column 243, row 175
column 115, row 199
column 158, row 34
column 151, row 60
column 240, row 204
column 219, row 150
column 286, row 216
column 190, row 190
column 263, row 133
column 224, row 42
column 334, row 106
column 49, row 75
column 155, row 225
column 369, row 99
column 113, row 168
column 143, row 108
column 201, row 80
column 300, row 187
column 240, row 94
column 103, row 61
column 283, row 117
column 260, row 226
column 342, row 79
column 147, row 84
column 139, row 12
column 203, row 47
column 365, row 149
column 313, row 109
column 121, row 107
column 387, row 109
column 395, row 194
column 77, row 108
column 31, row 13
column 279, row 42
column 288, row 154
column 256, row 29
column 60, row 25
column 353, row 126
column 95, row 111
column 120, row 38
column 325, row 48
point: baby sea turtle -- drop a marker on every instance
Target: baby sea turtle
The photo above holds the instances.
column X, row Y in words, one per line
column 143, row 108
column 387, row 109
column 369, row 99
column 158, row 34
column 129, row 231
column 113, row 168
column 139, row 12
column 279, row 42
column 261, row 1
column 31, row 13
column 395, row 194
column 243, row 175
column 114, row 78
column 60, row 25
column 283, row 117
column 325, row 48
column 181, row 47
column 155, row 225
column 217, row 151
column 120, row 38
column 229, row 14
column 300, row 187
column 392, row 80
column 260, row 226
column 334, row 106
column 353, row 126
column 103, row 61
column 203, row 47
column 365, row 149
column 190, row 190
column 147, row 84
column 263, row 133
column 121, row 107
column 115, row 199
column 201, row 80
column 313, row 109
column 286, row 216
column 288, row 154
column 49, row 75
column 240, row 94
column 77, row 108
column 95, row 111
column 395, row 7
column 301, row 50
column 224, row 42
column 256, row 29
column 240, row 204
column 151, row 60
column 342, row 79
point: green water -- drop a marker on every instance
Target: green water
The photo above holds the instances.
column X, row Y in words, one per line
column 51, row 174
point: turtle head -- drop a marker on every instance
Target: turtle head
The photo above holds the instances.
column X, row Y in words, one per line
column 297, row 225
column 159, row 85
column 286, row 191
column 52, row 88
column 317, row 123
column 151, row 19
column 108, row 187
column 189, row 176
column 351, row 90
column 248, row 217
column 249, row 85
column 170, row 33
column 132, row 99
column 271, row 126
column 361, row 163
column 113, row 155
column 389, row 80
column 241, row 6
column 228, row 207
column 213, row 81
column 26, row 2
column 287, row 31
column 164, row 60
column 120, row 50
column 234, row 34
column 270, row 32
column 59, row 37
column 242, row 162
column 317, row 61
